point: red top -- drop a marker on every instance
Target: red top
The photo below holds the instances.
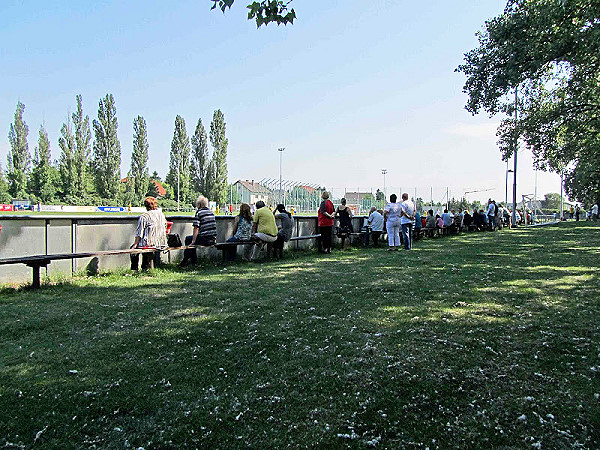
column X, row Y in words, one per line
column 325, row 221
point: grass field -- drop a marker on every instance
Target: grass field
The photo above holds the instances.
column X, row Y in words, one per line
column 484, row 340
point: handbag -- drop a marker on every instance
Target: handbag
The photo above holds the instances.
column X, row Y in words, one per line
column 173, row 240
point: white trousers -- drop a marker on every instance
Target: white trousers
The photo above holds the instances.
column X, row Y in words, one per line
column 393, row 232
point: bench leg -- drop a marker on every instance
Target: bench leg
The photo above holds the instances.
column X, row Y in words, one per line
column 36, row 276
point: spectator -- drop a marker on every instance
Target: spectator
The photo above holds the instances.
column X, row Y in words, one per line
column 204, row 234
column 577, row 213
column 447, row 218
column 430, row 223
column 242, row 227
column 418, row 224
column 325, row 223
column 467, row 219
column 491, row 214
column 392, row 215
column 345, row 214
column 595, row 211
column 285, row 232
column 407, row 215
column 151, row 232
column 439, row 222
column 264, row 229
column 375, row 223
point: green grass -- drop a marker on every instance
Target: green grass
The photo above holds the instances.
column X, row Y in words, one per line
column 485, row 340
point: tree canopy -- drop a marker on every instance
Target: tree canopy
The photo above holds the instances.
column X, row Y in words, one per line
column 548, row 50
column 264, row 11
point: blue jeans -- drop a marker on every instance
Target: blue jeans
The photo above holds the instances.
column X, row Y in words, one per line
column 407, row 235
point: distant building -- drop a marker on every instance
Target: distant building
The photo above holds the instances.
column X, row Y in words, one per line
column 354, row 198
column 159, row 187
column 250, row 192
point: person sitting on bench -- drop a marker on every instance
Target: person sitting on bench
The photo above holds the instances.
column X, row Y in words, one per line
column 151, row 232
column 430, row 223
column 264, row 229
column 375, row 223
column 242, row 228
column 205, row 231
column 285, row 232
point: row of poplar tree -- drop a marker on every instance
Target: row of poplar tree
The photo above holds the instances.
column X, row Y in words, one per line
column 87, row 171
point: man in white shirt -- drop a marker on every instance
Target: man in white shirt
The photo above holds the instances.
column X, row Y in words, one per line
column 595, row 212
column 407, row 216
column 491, row 213
column 447, row 218
column 375, row 223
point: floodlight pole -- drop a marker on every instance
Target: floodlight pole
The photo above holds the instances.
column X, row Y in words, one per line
column 280, row 150
column 515, row 149
column 383, row 172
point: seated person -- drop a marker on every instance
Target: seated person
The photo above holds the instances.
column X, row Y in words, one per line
column 242, row 227
column 204, row 234
column 467, row 219
column 375, row 223
column 264, row 229
column 439, row 222
column 285, row 232
column 151, row 232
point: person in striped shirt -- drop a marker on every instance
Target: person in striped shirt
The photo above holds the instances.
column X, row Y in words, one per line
column 205, row 231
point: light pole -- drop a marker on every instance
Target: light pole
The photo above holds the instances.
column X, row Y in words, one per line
column 280, row 150
column 383, row 172
column 515, row 150
column 506, row 184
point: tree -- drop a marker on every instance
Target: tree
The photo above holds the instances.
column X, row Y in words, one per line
column 219, row 158
column 264, row 11
column 180, row 161
column 43, row 177
column 199, row 162
column 551, row 202
column 548, row 52
column 83, row 149
column 18, row 155
column 5, row 196
column 66, row 163
column 107, row 149
column 138, row 175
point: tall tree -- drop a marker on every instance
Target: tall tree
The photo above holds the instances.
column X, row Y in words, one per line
column 83, row 148
column 264, row 11
column 180, row 161
column 219, row 158
column 43, row 174
column 199, row 162
column 547, row 51
column 18, row 155
column 138, row 173
column 5, row 196
column 107, row 149
column 66, row 162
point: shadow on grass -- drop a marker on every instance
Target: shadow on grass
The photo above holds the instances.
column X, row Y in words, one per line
column 444, row 342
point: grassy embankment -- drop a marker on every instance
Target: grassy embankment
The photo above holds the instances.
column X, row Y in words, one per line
column 475, row 341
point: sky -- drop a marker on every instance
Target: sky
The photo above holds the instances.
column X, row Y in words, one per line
column 351, row 88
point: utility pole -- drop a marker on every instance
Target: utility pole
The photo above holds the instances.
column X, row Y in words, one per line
column 383, row 172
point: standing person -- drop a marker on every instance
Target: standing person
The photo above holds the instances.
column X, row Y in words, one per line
column 375, row 223
column 325, row 223
column 577, row 213
column 407, row 215
column 285, row 232
column 205, row 231
column 264, row 229
column 345, row 214
column 392, row 215
column 595, row 211
column 151, row 232
column 491, row 214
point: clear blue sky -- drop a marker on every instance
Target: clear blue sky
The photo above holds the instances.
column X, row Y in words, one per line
column 351, row 88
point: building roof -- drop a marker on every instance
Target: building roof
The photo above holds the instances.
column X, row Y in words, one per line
column 255, row 188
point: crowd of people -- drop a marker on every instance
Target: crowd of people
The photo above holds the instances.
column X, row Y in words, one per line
column 255, row 226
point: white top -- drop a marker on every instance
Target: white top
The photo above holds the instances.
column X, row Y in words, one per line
column 491, row 209
column 393, row 210
column 595, row 209
column 447, row 218
column 409, row 208
column 376, row 221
